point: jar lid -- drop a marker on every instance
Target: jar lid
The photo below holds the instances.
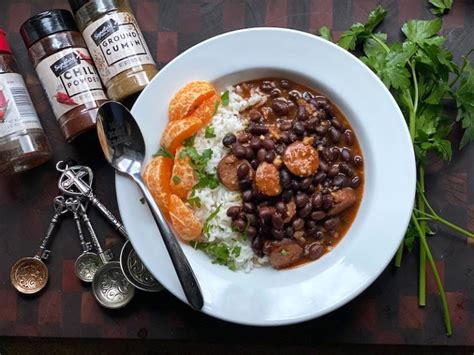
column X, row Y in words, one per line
column 4, row 46
column 46, row 23
column 99, row 5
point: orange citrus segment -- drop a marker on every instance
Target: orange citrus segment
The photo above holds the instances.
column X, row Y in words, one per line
column 157, row 176
column 177, row 131
column 184, row 222
column 182, row 177
column 206, row 110
column 188, row 99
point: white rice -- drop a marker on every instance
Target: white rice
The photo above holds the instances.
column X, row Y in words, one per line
column 226, row 120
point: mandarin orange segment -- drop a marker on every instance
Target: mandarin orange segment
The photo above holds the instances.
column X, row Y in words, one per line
column 206, row 110
column 188, row 99
column 157, row 176
column 186, row 225
column 182, row 177
column 177, row 131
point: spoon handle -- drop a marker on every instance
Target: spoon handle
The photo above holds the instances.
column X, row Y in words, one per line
column 185, row 274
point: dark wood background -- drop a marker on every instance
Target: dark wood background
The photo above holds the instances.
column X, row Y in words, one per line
column 386, row 313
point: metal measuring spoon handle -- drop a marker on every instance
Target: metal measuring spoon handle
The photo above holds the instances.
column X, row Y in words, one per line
column 73, row 206
column 106, row 255
column 59, row 210
column 109, row 215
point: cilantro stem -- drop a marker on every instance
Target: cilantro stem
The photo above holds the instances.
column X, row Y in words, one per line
column 459, row 73
column 447, row 223
column 422, row 270
column 442, row 293
column 380, row 42
column 399, row 256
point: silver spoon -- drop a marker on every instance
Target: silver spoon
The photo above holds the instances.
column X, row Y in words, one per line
column 124, row 148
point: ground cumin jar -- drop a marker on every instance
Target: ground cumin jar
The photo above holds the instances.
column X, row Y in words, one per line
column 65, row 69
column 117, row 45
column 23, row 144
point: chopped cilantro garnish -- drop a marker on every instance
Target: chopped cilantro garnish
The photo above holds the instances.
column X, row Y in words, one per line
column 209, row 132
column 220, row 252
column 283, row 251
column 163, row 152
column 189, row 142
column 176, row 180
column 199, row 164
column 216, row 106
column 207, row 226
column 225, row 98
column 194, row 201
column 142, row 200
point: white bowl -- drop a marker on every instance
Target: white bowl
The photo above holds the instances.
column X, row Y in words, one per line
column 266, row 296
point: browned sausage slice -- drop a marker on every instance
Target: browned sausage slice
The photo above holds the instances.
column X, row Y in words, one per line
column 343, row 199
column 227, row 171
column 267, row 179
column 301, row 159
column 285, row 253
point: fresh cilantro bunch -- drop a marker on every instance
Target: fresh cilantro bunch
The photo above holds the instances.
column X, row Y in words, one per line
column 422, row 76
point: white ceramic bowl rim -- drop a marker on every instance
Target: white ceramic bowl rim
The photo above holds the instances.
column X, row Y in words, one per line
column 266, row 296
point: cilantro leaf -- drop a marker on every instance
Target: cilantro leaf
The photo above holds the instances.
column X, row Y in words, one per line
column 194, row 201
column 440, row 7
column 325, row 33
column 163, row 152
column 464, row 97
column 176, row 180
column 207, row 226
column 216, row 106
column 220, row 252
column 422, row 31
column 225, row 98
column 209, row 132
column 189, row 142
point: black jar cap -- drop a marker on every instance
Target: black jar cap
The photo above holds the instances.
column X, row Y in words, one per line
column 96, row 6
column 45, row 24
column 77, row 4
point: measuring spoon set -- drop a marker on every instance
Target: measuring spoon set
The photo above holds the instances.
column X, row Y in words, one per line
column 113, row 282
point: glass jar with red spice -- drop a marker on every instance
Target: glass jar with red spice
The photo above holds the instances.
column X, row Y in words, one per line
column 23, row 144
column 65, row 69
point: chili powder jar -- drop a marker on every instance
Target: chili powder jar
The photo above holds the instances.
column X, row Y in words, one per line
column 117, row 45
column 23, row 144
column 65, row 69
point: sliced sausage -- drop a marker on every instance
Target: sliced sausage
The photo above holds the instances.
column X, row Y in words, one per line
column 284, row 253
column 342, row 200
column 267, row 179
column 301, row 159
column 227, row 171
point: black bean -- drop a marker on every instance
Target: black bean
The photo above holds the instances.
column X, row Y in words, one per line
column 249, row 154
column 280, row 107
column 328, row 154
column 255, row 143
column 289, row 231
column 298, row 224
column 280, row 148
column 280, row 207
column 322, row 129
column 267, row 86
column 285, row 138
column 349, row 137
column 261, row 155
column 285, row 84
column 310, row 224
column 327, row 201
column 332, row 223
column 268, row 144
column 251, row 219
column 320, row 101
column 242, row 215
column 251, row 231
column 278, row 234
column 307, row 95
column 355, row 182
column 248, row 207
column 285, row 179
column 337, row 124
column 318, row 215
column 233, row 211
column 311, row 124
column 270, row 156
column 317, row 200
column 257, row 129
column 295, row 185
column 358, row 160
column 266, row 213
column 254, row 164
column 335, row 135
column 323, row 166
column 275, row 93
column 293, row 137
column 287, row 195
column 302, row 114
column 340, row 181
column 229, row 139
column 285, row 125
column 314, row 250
column 346, row 155
column 319, row 177
column 238, row 224
column 299, row 128
column 311, row 188
column 243, row 137
column 294, row 95
column 346, row 169
column 255, row 116
column 247, row 195
column 277, row 221
column 336, row 152
column 304, row 184
column 305, row 211
column 334, row 170
column 245, row 184
column 238, row 150
column 257, row 245
column 301, row 199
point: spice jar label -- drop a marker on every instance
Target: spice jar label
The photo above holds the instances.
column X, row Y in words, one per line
column 17, row 112
column 70, row 80
column 116, row 44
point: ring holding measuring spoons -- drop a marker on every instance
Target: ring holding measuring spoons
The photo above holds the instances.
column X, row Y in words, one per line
column 30, row 274
column 87, row 263
column 109, row 285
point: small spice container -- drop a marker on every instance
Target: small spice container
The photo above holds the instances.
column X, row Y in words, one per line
column 117, row 45
column 23, row 144
column 65, row 69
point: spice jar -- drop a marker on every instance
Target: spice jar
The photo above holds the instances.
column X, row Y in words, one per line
column 65, row 69
column 23, row 144
column 117, row 45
